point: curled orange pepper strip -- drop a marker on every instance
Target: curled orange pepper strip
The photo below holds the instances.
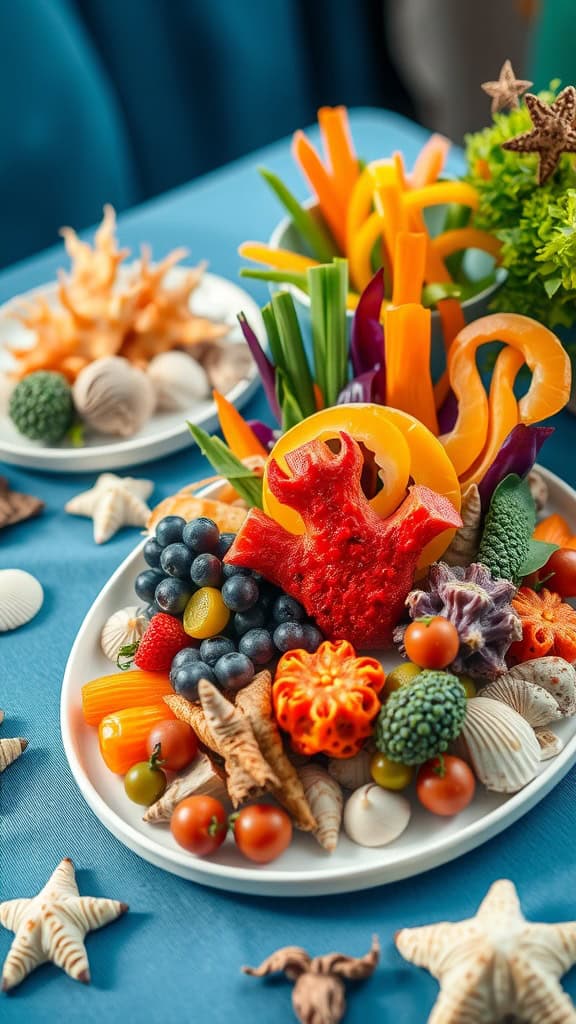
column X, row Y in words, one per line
column 548, row 392
column 439, row 193
column 465, row 238
column 503, row 409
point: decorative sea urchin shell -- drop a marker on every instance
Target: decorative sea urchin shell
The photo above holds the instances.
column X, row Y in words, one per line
column 533, row 702
column 124, row 627
column 21, row 598
column 500, row 744
column 351, row 772
column 326, row 803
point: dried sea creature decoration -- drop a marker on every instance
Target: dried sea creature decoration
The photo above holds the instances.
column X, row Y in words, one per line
column 466, row 541
column 538, row 489
column 318, row 996
column 178, row 380
column 21, row 598
column 203, row 778
column 506, row 91
column 496, row 965
column 553, row 674
column 500, row 744
column 124, row 627
column 550, row 744
column 52, row 927
column 10, row 749
column 480, row 608
column 552, row 132
column 375, row 817
column 16, row 507
column 114, row 397
column 351, row 772
column 326, row 801
column 112, row 503
column 531, row 701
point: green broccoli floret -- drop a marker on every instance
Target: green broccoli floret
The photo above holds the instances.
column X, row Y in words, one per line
column 419, row 721
column 41, row 406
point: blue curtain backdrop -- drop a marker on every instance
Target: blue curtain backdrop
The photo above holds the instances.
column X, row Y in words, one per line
column 117, row 100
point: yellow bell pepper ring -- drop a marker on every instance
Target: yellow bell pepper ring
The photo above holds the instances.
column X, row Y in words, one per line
column 439, row 193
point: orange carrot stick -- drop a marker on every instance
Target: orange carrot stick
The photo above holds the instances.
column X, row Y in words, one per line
column 407, row 347
column 239, row 436
column 320, row 182
column 409, row 259
column 452, row 320
column 337, row 139
column 430, row 161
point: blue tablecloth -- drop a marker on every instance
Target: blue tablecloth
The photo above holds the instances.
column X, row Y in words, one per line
column 178, row 953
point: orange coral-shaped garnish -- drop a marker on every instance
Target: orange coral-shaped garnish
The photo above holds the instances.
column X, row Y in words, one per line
column 327, row 701
column 548, row 626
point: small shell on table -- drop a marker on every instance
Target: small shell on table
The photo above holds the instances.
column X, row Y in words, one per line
column 178, row 380
column 466, row 540
column 114, row 397
column 550, row 743
column 10, row 750
column 21, row 598
column 351, row 772
column 326, row 803
column 555, row 675
column 202, row 778
column 500, row 744
column 531, row 701
column 124, row 627
column 226, row 364
column 538, row 489
column 375, row 817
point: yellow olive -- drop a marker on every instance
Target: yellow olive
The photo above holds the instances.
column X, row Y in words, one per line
column 469, row 685
column 390, row 774
column 401, row 676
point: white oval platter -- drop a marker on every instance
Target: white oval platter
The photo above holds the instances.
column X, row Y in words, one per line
column 163, row 434
column 304, row 869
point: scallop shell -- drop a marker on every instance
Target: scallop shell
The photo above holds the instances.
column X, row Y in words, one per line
column 202, row 778
column 500, row 745
column 351, row 772
column 466, row 541
column 531, row 701
column 126, row 626
column 326, row 803
column 550, row 743
column 178, row 380
column 555, row 675
column 114, row 397
column 21, row 598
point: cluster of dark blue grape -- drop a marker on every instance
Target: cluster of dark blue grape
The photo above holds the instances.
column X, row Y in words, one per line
column 263, row 621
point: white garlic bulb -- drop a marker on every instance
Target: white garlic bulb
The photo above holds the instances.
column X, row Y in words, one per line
column 114, row 397
column 178, row 380
column 374, row 817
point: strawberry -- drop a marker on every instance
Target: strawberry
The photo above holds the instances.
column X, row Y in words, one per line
column 163, row 638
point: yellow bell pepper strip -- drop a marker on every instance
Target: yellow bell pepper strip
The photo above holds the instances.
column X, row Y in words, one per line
column 409, row 260
column 333, row 211
column 360, row 249
column 440, row 193
column 465, row 238
column 240, row 437
column 282, row 259
column 339, row 148
column 404, row 450
column 360, row 204
column 430, row 161
column 452, row 320
column 503, row 412
column 407, row 346
column 548, row 392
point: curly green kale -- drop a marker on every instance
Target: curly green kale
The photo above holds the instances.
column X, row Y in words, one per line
column 507, row 548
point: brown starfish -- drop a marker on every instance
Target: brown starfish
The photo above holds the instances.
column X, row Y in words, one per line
column 15, row 507
column 318, row 995
column 553, row 134
column 507, row 90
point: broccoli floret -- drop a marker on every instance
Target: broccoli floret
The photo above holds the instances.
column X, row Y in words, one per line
column 41, row 406
column 419, row 721
column 508, row 529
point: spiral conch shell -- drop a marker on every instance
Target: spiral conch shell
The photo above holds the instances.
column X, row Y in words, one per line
column 464, row 546
column 500, row 744
column 124, row 627
column 531, row 701
column 326, row 803
column 114, row 397
column 351, row 772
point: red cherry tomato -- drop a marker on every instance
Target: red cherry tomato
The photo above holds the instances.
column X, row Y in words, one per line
column 561, row 570
column 178, row 744
column 431, row 643
column 262, row 832
column 199, row 824
column 445, row 785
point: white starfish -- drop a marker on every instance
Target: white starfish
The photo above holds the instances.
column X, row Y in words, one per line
column 112, row 503
column 496, row 964
column 52, row 927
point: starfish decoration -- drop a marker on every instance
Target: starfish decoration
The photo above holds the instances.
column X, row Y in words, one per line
column 10, row 749
column 15, row 507
column 52, row 926
column 553, row 134
column 318, row 994
column 507, row 90
column 495, row 964
column 112, row 503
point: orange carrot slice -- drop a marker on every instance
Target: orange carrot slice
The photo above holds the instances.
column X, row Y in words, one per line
column 107, row 694
column 122, row 735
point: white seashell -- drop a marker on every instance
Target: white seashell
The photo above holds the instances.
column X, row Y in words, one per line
column 178, row 380
column 555, row 675
column 500, row 745
column 114, row 397
column 202, row 778
column 533, row 702
column 375, row 817
column 351, row 772
column 21, row 598
column 466, row 540
column 226, row 364
column 550, row 743
column 326, row 802
column 126, row 626
column 113, row 502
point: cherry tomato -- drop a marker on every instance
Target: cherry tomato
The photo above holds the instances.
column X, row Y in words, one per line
column 401, row 676
column 390, row 774
column 431, row 642
column 199, row 824
column 177, row 741
column 262, row 832
column 445, row 785
column 561, row 570
column 145, row 782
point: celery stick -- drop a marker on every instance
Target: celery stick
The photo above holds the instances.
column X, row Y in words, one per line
column 294, row 360
column 281, row 276
column 328, row 290
column 312, row 231
column 271, row 326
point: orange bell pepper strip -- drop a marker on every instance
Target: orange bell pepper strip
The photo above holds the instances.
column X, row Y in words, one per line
column 339, row 148
column 439, row 193
column 409, row 261
column 548, row 392
column 465, row 238
column 239, row 436
column 281, row 259
column 503, row 409
column 360, row 204
column 407, row 346
column 452, row 320
column 398, row 162
column 553, row 530
column 430, row 161
column 322, row 185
